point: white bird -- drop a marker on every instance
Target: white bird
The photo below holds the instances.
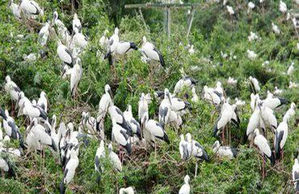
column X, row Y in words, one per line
column 251, row 6
column 104, row 104
column 281, row 135
column 195, row 149
column 65, row 54
column 76, row 76
column 43, row 102
column 100, row 154
column 44, row 34
column 34, row 111
column 268, row 116
column 239, row 102
column 185, row 189
column 277, row 91
column 120, row 136
column 31, row 9
column 15, row 9
column 283, row 7
column 295, row 173
column 183, row 148
column 149, row 51
column 114, row 159
column 3, row 165
column 290, row 112
column 224, row 151
column 275, row 29
column 251, row 55
column 165, row 108
column 40, row 134
column 76, row 23
column 104, row 41
column 132, row 121
column 79, row 43
column 293, row 84
column 9, row 125
column 155, row 129
column 262, row 144
column 291, row 69
column 185, row 82
column 142, row 107
column 117, row 115
column 191, row 50
column 195, row 97
column 128, row 190
column 119, row 49
column 69, row 171
column 61, row 29
column 115, row 37
column 253, row 36
column 211, row 95
column 228, row 114
column 232, row 81
column 230, row 10
column 254, row 84
column 274, row 102
column 12, row 89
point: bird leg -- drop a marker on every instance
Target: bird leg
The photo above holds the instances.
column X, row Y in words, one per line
column 120, row 154
column 263, row 168
column 155, row 151
column 196, row 167
column 2, row 173
column 281, row 152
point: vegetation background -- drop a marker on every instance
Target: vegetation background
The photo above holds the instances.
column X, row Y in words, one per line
column 214, row 31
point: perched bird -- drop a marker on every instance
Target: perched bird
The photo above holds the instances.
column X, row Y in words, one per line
column 251, row 6
column 120, row 136
column 195, row 149
column 132, row 121
column 282, row 7
column 254, row 83
column 224, row 151
column 155, row 129
column 30, row 9
column 281, row 135
column 142, row 107
column 76, row 76
column 128, row 190
column 15, row 9
column 295, row 174
column 43, row 102
column 117, row 115
column 277, row 91
column 104, row 41
column 274, row 102
column 10, row 126
column 183, row 147
column 290, row 112
column 232, row 81
column 191, row 50
column 185, row 189
column 253, row 36
column 65, row 54
column 230, row 10
column 150, row 52
column 116, row 163
column 62, row 31
column 185, row 82
column 262, row 144
column 291, row 69
column 165, row 108
column 275, row 29
column 69, row 171
column 11, row 88
column 268, row 116
column 76, row 23
column 212, row 95
column 44, row 34
column 100, row 154
column 195, row 97
column 251, row 55
column 104, row 104
column 34, row 111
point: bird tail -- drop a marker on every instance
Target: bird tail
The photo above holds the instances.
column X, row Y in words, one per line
column 215, row 130
column 53, row 145
column 162, row 60
column 109, row 56
column 62, row 187
column 272, row 159
column 166, row 139
column 128, row 148
column 133, row 46
column 205, row 156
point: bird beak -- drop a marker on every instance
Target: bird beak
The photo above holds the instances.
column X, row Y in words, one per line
column 111, row 94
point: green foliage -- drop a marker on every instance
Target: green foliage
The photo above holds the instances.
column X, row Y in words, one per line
column 213, row 32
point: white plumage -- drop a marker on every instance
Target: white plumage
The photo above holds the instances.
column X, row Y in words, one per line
column 281, row 135
column 195, row 97
column 149, row 51
column 116, row 163
column 183, row 83
column 31, row 9
column 65, row 54
column 261, row 142
column 128, row 190
column 120, row 136
column 76, row 76
column 77, row 26
column 15, row 9
column 43, row 102
column 251, row 55
column 104, row 104
column 275, row 29
column 11, row 88
column 291, row 69
column 255, row 84
column 185, row 189
column 44, row 34
column 100, row 154
column 283, row 7
column 183, row 148
column 295, row 174
column 230, row 10
column 224, row 151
